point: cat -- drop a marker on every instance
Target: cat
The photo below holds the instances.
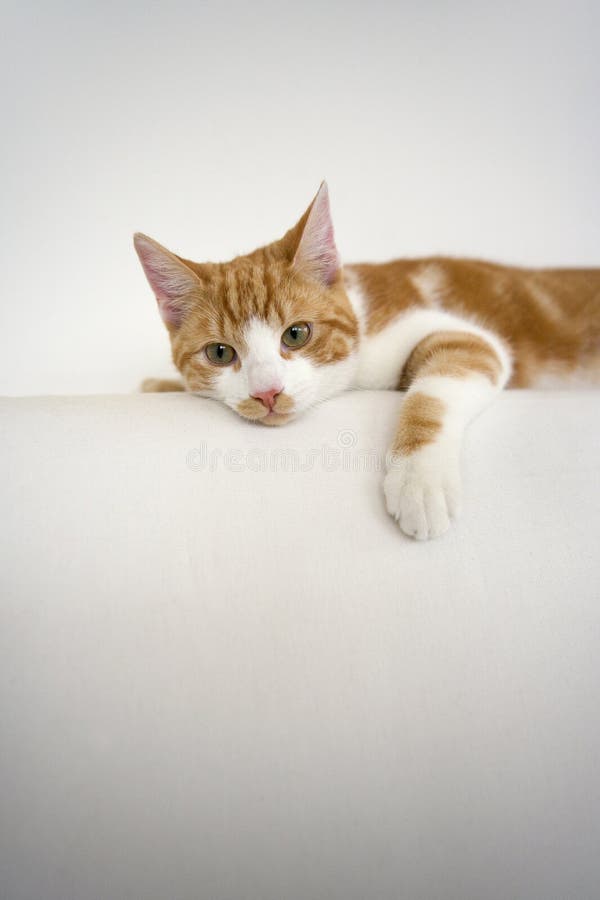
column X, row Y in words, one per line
column 278, row 330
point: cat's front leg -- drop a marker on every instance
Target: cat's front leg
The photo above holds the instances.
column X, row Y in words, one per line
column 451, row 377
column 422, row 486
column 160, row 386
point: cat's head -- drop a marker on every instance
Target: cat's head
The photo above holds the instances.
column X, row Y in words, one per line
column 271, row 333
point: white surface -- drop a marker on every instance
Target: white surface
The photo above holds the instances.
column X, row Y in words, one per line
column 459, row 128
column 245, row 685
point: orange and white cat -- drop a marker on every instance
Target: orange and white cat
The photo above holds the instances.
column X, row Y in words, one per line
column 274, row 332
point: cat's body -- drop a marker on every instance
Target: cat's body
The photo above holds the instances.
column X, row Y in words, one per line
column 276, row 331
column 548, row 319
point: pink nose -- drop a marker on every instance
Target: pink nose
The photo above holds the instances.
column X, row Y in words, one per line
column 268, row 397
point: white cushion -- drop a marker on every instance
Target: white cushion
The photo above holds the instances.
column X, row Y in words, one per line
column 222, row 679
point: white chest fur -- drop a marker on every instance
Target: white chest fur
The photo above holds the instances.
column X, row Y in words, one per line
column 383, row 355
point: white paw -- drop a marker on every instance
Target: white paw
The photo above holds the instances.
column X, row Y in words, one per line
column 422, row 492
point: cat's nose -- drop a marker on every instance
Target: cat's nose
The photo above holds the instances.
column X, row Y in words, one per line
column 268, row 397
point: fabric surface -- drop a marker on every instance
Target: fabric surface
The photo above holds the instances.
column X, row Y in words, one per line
column 226, row 674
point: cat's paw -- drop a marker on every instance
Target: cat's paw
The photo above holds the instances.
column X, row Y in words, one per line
column 160, row 386
column 422, row 492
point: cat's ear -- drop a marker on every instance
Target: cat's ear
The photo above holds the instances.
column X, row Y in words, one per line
column 170, row 279
column 316, row 255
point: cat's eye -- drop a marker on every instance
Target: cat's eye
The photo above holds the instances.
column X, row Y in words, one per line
column 296, row 335
column 220, row 354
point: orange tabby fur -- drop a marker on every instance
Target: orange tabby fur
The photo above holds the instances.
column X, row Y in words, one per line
column 550, row 318
column 450, row 332
column 420, row 423
column 259, row 285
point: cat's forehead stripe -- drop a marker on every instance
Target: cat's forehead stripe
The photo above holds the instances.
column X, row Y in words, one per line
column 244, row 291
column 224, row 294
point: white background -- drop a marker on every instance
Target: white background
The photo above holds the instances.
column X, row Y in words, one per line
column 464, row 128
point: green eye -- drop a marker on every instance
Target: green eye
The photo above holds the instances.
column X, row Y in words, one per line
column 220, row 354
column 296, row 335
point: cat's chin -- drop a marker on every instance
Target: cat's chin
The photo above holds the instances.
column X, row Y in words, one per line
column 274, row 418
column 252, row 410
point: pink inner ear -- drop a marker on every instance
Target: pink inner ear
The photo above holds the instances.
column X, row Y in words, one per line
column 159, row 282
column 317, row 254
column 170, row 280
column 171, row 314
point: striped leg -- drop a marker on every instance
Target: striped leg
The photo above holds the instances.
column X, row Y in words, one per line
column 451, row 376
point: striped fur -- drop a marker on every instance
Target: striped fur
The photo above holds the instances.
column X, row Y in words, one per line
column 420, row 423
column 449, row 332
